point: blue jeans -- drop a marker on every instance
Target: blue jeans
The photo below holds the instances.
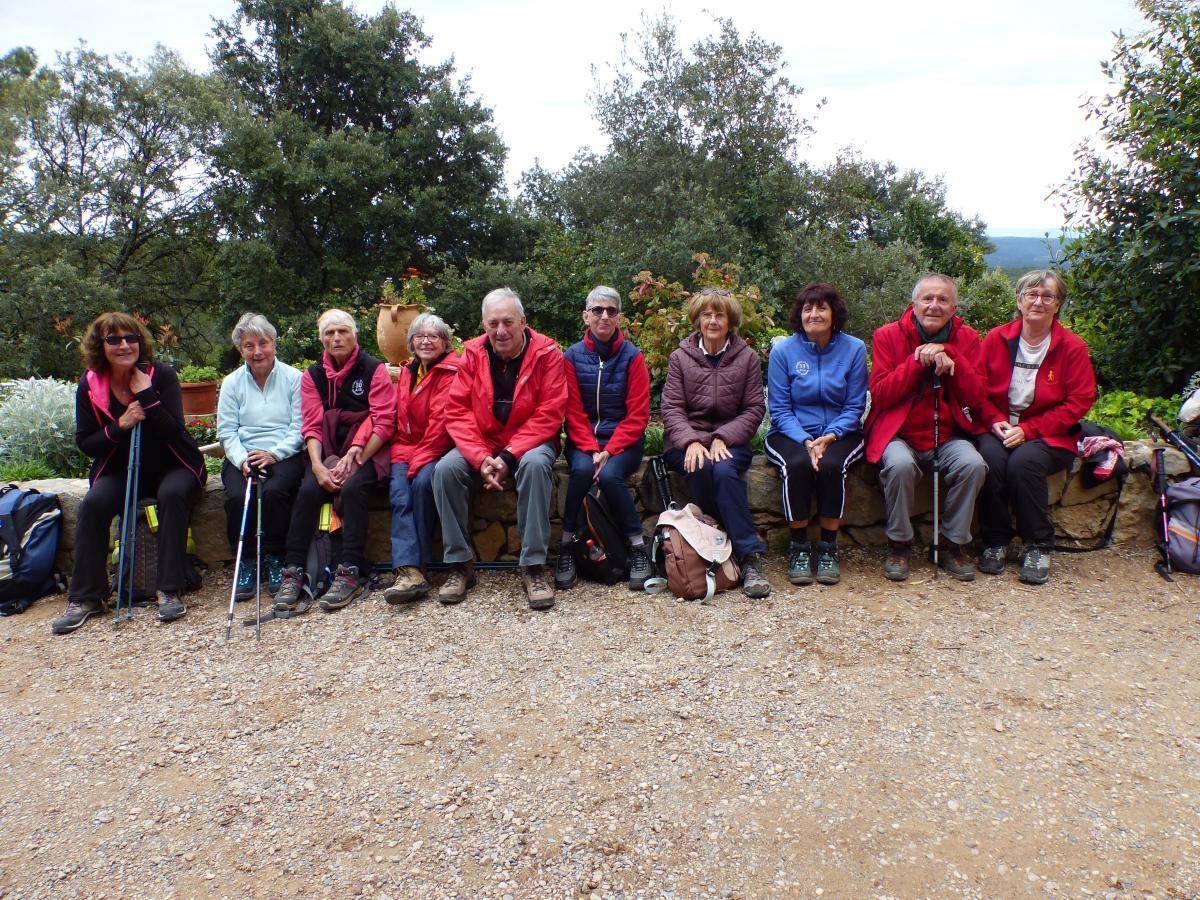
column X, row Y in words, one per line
column 613, row 484
column 720, row 492
column 413, row 515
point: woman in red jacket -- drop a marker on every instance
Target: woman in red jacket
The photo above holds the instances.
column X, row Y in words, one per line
column 1039, row 385
column 421, row 439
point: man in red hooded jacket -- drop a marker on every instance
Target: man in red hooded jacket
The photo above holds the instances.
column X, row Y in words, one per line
column 504, row 412
column 928, row 345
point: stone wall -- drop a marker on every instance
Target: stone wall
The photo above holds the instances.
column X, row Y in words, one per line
column 1077, row 512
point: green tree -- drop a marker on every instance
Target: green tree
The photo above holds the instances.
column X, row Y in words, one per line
column 343, row 158
column 1135, row 269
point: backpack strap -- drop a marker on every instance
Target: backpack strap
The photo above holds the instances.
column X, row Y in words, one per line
column 1106, row 538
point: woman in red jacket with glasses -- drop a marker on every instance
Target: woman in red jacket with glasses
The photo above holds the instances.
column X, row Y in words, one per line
column 1040, row 384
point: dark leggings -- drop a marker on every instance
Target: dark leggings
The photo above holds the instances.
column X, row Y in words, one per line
column 279, row 495
column 173, row 491
column 801, row 482
column 355, row 494
column 1018, row 477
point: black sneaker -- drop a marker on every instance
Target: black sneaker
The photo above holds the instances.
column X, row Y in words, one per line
column 754, row 581
column 639, row 567
column 291, row 589
column 346, row 586
column 800, row 563
column 991, row 560
column 274, row 571
column 170, row 607
column 76, row 613
column 1035, row 566
column 565, row 575
column 828, row 569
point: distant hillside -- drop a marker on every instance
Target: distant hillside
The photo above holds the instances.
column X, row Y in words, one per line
column 1022, row 252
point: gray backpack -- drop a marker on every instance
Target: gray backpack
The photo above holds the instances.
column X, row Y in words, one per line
column 1183, row 525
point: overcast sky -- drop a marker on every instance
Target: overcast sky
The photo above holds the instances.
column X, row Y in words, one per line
column 987, row 96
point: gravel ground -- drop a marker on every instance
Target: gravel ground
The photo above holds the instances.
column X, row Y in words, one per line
column 868, row 739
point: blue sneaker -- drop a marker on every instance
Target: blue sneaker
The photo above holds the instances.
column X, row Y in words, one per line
column 274, row 570
column 245, row 582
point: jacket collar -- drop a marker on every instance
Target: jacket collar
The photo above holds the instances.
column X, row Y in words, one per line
column 691, row 346
column 908, row 322
column 99, row 386
column 618, row 339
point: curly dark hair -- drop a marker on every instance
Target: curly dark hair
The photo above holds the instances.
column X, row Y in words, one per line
column 819, row 292
column 92, row 345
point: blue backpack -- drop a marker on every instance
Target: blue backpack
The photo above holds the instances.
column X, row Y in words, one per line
column 29, row 527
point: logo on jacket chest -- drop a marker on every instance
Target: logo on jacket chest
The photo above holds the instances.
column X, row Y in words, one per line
column 358, row 387
column 801, row 367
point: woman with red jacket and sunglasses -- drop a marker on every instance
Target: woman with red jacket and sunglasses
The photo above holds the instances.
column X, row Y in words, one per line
column 1039, row 383
column 122, row 387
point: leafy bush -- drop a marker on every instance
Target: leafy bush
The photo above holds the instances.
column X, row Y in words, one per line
column 654, row 440
column 1126, row 412
column 37, row 424
column 25, row 470
column 193, row 374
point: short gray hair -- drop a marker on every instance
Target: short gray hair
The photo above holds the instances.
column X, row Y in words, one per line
column 431, row 321
column 254, row 324
column 935, row 276
column 602, row 292
column 336, row 317
column 498, row 294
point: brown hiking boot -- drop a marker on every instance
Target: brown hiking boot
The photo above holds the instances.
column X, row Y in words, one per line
column 538, row 588
column 895, row 567
column 461, row 580
column 409, row 585
column 952, row 559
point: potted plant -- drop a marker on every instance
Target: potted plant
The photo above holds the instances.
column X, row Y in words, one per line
column 396, row 313
column 199, row 387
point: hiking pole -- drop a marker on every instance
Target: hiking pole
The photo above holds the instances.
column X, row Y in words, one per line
column 237, row 560
column 1178, row 441
column 259, row 477
column 1159, row 474
column 937, row 472
column 128, row 530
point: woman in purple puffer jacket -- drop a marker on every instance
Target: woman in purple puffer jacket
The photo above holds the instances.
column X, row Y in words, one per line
column 712, row 405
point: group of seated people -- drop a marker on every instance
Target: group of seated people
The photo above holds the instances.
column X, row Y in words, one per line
column 998, row 416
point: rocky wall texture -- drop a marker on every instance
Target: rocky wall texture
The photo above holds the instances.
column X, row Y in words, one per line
column 1078, row 512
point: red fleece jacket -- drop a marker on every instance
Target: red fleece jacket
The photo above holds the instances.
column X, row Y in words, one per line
column 1063, row 392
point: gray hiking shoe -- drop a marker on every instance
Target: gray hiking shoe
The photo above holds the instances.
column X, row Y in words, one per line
column 1035, row 566
column 345, row 588
column 895, row 567
column 461, row 580
column 991, row 560
column 800, row 563
column 170, row 607
column 754, row 580
column 409, row 585
column 291, row 587
column 639, row 568
column 76, row 613
column 828, row 569
column 538, row 588
column 565, row 574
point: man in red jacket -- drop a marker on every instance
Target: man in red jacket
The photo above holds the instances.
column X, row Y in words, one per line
column 504, row 412
column 928, row 345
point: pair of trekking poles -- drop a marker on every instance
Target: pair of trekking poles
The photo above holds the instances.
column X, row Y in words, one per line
column 127, row 540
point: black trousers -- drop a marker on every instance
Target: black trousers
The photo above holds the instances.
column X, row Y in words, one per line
column 800, row 482
column 355, row 494
column 1018, row 477
column 174, row 491
column 279, row 495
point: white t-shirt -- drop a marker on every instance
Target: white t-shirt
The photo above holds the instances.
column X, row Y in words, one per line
column 1024, row 377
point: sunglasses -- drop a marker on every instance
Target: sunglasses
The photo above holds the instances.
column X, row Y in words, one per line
column 116, row 340
column 601, row 311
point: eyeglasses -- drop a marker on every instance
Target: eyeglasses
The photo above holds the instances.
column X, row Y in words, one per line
column 1038, row 297
column 426, row 338
column 601, row 311
column 116, row 340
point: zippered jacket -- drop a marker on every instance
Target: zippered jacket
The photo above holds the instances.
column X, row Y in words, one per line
column 253, row 418
column 165, row 440
column 608, row 401
column 360, row 386
column 538, row 404
column 421, row 436
column 812, row 392
column 701, row 401
column 1064, row 389
column 897, row 379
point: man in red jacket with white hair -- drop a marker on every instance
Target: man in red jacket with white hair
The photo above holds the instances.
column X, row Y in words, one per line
column 927, row 345
column 504, row 412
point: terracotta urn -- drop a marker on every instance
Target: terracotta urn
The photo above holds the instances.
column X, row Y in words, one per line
column 392, row 330
column 199, row 397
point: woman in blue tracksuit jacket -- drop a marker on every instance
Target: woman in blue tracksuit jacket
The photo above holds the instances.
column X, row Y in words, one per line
column 817, row 394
